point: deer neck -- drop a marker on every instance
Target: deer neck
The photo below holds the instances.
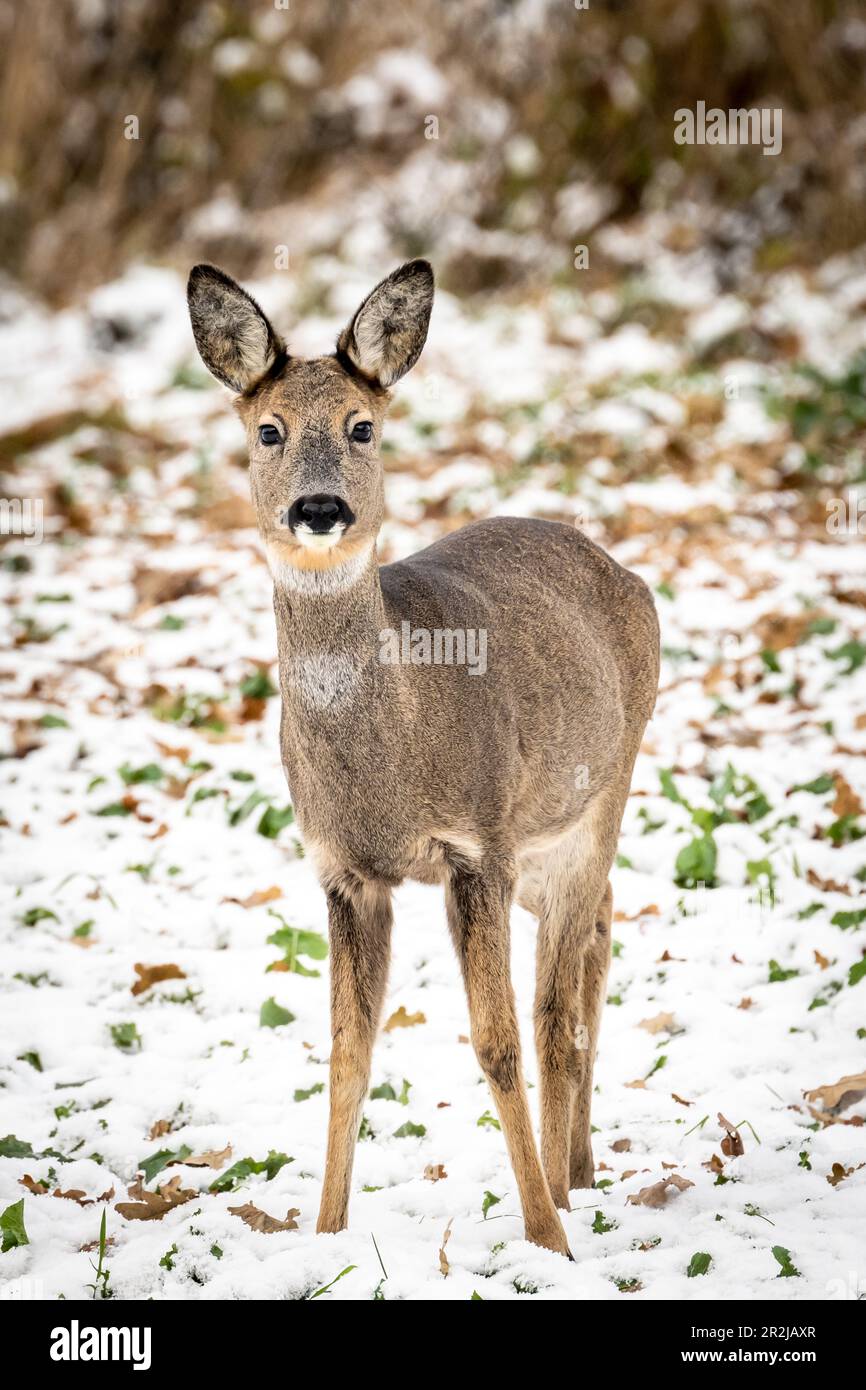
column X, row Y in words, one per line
column 328, row 626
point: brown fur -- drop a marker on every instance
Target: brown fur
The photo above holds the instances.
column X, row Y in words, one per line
column 426, row 771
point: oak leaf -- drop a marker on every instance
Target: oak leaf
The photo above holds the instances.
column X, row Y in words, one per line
column 258, row 1220
column 657, row 1194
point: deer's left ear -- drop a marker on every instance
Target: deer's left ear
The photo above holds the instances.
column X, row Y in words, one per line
column 386, row 336
column 236, row 341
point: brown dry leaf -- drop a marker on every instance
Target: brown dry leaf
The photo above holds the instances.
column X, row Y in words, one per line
column 435, row 1172
column 714, row 1164
column 745, row 1002
column 231, row 513
column 847, row 1089
column 628, row 1173
column 649, row 911
column 159, row 1128
column 846, row 801
column 635, row 1085
column 820, row 960
column 778, row 631
column 214, row 1158
column 260, row 1221
column 168, row 751
column 621, row 1146
column 462, row 1038
column 860, row 721
column 666, row 956
column 37, row 1188
column 679, row 1100
column 264, row 895
column 95, row 1244
column 400, row 1019
column 152, row 975
column 662, row 1023
column 155, row 586
column 657, row 1195
column 838, row 1173
column 827, row 885
column 732, row 1144
column 443, row 1258
column 670, row 1165
column 151, row 1206
column 75, row 1194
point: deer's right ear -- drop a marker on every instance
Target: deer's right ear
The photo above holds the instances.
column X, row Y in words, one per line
column 236, row 341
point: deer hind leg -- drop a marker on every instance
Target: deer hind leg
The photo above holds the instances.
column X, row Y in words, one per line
column 573, row 955
column 478, row 899
column 359, row 929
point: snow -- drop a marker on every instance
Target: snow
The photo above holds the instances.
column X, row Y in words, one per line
column 155, row 885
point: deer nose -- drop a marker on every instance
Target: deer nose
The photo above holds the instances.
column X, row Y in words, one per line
column 320, row 512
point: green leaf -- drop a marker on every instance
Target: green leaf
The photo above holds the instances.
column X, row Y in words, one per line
column 167, row 1262
column 38, row 914
column 216, row 1251
column 696, row 863
column 250, row 1167
column 126, row 1037
column 12, row 1226
column 778, row 975
column 669, row 788
column 488, row 1121
column 601, row 1225
column 32, row 1057
column 490, row 1200
column 806, row 912
column 476, row 1296
column 856, row 973
column 258, row 687
column 274, row 820
column 771, row 661
column 818, row 787
column 171, row 624
column 788, row 1269
column 698, row 1264
column 848, row 919
column 151, row 772
column 410, row 1131
column 156, row 1162
column 273, row 1015
column 853, row 652
column 114, row 808
column 325, row 1287
column 52, row 721
column 314, row 1090
column 246, row 808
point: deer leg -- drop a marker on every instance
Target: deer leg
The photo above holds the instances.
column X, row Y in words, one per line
column 572, row 962
column 595, row 966
column 359, row 929
column 478, row 901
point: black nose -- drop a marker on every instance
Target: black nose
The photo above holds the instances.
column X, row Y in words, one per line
column 320, row 512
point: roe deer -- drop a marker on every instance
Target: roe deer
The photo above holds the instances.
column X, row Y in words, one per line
column 508, row 783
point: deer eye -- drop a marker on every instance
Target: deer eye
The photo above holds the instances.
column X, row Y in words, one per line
column 269, row 434
column 363, row 432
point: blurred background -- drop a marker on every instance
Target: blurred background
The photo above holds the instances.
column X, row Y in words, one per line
column 662, row 343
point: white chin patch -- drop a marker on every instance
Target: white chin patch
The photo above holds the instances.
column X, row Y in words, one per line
column 319, row 540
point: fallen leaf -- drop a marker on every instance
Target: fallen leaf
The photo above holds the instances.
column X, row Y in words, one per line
column 827, row 885
column 714, row 1164
column 848, row 1089
column 670, row 1165
column 159, row 1128
column 778, row 631
column 732, row 1144
column 150, row 975
column 662, row 1023
column 846, row 801
column 462, row 1038
column 95, row 1244
column 435, row 1172
column 264, row 895
column 151, row 1206
column 666, row 956
column 838, row 1173
column 37, row 1188
column 649, row 911
column 820, row 960
column 155, row 586
column 167, row 751
column 443, row 1258
column 74, row 1195
column 745, row 1002
column 621, row 1146
column 628, row 1173
column 636, row 1085
column 400, row 1019
column 260, row 1221
column 657, row 1195
column 679, row 1100
column 213, row 1159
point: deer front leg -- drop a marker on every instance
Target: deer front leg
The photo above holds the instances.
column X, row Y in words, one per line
column 479, row 900
column 359, row 929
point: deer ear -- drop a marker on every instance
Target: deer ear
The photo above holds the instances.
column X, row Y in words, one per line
column 386, row 336
column 233, row 336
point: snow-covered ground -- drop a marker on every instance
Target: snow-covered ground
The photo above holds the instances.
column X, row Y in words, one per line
column 144, row 819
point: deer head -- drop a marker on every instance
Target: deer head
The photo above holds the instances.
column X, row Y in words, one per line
column 314, row 426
